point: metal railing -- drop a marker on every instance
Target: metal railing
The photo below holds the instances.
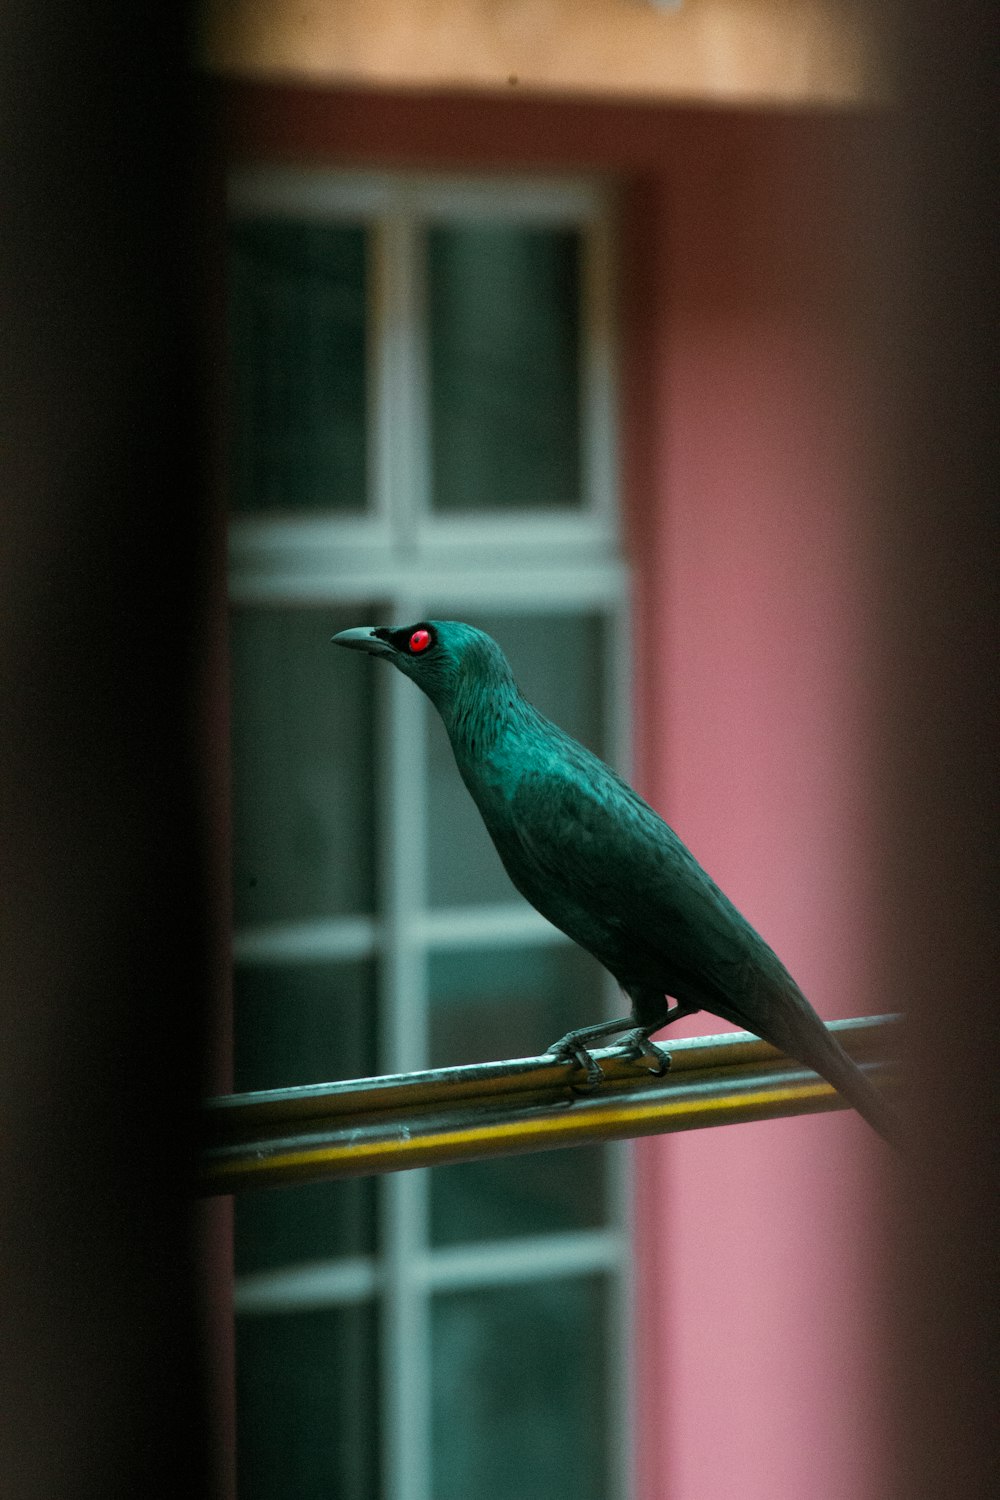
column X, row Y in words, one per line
column 373, row 1125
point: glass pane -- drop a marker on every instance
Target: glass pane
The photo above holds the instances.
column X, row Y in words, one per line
column 520, row 1386
column 558, row 661
column 297, row 365
column 504, row 308
column 303, row 757
column 490, row 1003
column 513, row 1002
column 305, row 1405
column 290, row 1226
column 303, row 1023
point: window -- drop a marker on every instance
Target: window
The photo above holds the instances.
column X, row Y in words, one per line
column 422, row 425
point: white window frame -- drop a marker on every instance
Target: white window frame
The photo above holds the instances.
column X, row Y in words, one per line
column 419, row 565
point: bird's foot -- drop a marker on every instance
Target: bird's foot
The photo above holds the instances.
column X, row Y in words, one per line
column 570, row 1049
column 637, row 1047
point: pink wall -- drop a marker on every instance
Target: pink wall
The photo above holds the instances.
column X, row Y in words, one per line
column 756, row 1245
column 747, row 453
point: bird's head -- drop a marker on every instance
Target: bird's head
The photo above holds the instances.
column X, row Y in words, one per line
column 457, row 666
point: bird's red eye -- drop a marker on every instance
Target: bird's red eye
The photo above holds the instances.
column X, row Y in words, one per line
column 420, row 640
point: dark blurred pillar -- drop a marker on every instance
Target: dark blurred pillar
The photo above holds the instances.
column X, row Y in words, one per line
column 941, row 683
column 104, row 617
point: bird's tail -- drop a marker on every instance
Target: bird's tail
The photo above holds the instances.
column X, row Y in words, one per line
column 834, row 1064
column 798, row 1030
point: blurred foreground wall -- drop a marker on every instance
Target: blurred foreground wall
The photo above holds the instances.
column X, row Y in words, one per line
column 940, row 788
column 105, row 897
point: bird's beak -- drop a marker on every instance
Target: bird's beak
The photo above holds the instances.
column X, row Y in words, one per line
column 363, row 639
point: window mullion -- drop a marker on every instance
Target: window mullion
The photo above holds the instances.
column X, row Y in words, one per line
column 400, row 425
column 405, row 1319
column 598, row 374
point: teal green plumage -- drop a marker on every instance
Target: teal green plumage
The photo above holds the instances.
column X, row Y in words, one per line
column 595, row 859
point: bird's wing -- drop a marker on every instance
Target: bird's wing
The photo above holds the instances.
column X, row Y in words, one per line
column 606, row 868
column 590, row 840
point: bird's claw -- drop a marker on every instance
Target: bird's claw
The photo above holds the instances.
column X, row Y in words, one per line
column 638, row 1048
column 570, row 1051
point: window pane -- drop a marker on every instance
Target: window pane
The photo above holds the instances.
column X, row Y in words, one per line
column 305, row 1413
column 514, row 1002
column 303, row 760
column 290, row 1226
column 520, row 1390
column 490, row 1003
column 504, row 308
column 297, row 367
column 558, row 661
column 303, row 1023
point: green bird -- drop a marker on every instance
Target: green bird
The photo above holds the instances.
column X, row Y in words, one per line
column 595, row 859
